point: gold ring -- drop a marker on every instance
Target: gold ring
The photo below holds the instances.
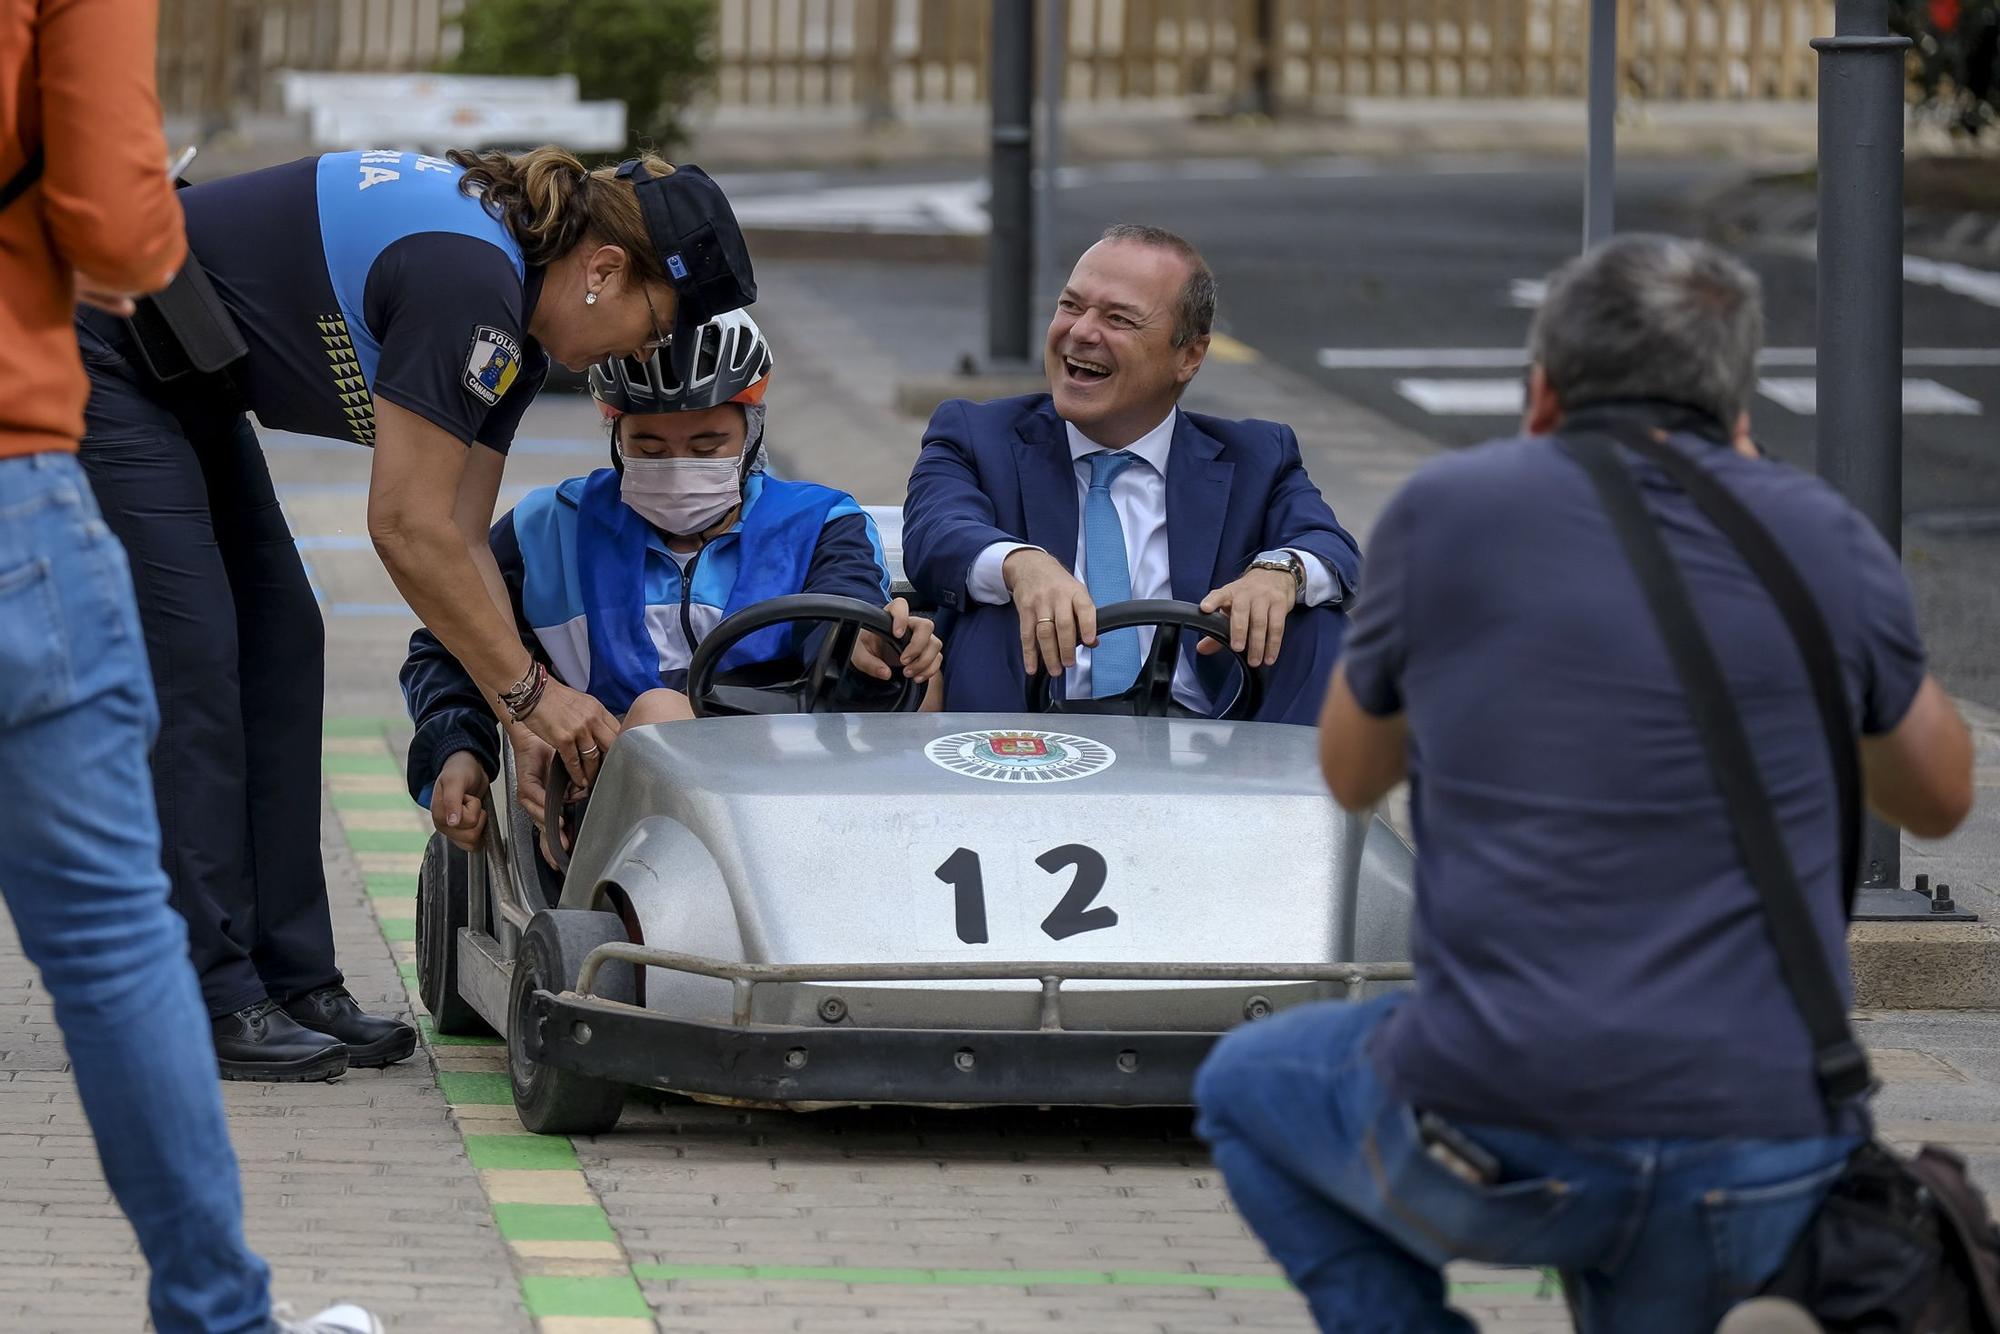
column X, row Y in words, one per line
column 1046, row 620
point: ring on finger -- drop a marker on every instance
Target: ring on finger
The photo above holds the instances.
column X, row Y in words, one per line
column 588, row 750
column 1045, row 620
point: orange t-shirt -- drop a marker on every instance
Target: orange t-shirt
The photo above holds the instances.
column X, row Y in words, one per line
column 76, row 77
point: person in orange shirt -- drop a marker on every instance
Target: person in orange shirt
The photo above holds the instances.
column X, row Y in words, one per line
column 86, row 210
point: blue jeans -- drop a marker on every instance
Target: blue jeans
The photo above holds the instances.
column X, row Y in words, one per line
column 80, row 870
column 1654, row 1236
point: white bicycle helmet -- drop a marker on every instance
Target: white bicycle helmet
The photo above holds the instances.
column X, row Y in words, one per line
column 732, row 364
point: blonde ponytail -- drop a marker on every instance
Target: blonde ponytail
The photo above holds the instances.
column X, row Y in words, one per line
column 551, row 203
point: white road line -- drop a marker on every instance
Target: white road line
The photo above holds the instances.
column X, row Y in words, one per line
column 958, row 206
column 1981, row 285
column 1421, row 358
column 1488, row 397
column 1464, row 398
column 1510, row 358
column 1921, row 398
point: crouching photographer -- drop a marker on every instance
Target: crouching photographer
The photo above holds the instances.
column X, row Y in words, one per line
column 1623, row 660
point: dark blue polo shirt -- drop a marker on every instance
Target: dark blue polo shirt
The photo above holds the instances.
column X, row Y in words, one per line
column 1591, row 957
column 358, row 276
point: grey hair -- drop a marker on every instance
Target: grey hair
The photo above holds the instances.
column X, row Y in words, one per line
column 1194, row 309
column 1652, row 317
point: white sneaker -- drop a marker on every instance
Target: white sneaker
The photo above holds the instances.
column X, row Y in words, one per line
column 345, row 1318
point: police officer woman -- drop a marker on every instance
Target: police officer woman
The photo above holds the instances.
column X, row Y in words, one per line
column 403, row 302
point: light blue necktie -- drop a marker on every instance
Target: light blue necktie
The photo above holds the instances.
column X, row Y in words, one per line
column 1114, row 663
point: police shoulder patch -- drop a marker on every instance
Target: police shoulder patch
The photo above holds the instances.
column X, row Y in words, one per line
column 492, row 364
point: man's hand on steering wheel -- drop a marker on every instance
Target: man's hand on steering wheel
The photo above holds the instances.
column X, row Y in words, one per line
column 920, row 661
column 578, row 727
column 1257, row 604
column 1055, row 609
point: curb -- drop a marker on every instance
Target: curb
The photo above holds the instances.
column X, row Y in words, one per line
column 865, row 244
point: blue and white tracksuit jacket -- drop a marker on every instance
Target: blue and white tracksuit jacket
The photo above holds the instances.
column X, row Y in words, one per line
column 550, row 555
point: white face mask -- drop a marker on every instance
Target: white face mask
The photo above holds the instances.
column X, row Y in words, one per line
column 682, row 497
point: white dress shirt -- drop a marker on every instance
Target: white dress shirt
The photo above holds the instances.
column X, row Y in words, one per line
column 1139, row 494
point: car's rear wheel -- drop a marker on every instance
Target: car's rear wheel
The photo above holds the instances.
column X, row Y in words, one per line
column 444, row 887
column 553, row 1101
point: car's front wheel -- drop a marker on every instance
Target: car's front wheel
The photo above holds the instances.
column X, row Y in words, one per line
column 553, row 1101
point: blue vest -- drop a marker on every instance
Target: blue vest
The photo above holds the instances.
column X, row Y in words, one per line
column 370, row 200
column 778, row 537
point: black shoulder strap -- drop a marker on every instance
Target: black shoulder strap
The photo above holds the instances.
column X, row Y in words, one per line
column 1795, row 602
column 23, row 180
column 1841, row 1064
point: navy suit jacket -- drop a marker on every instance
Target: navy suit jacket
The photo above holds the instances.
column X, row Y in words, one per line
column 1002, row 472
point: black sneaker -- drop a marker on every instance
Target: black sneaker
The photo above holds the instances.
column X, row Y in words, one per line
column 372, row 1040
column 260, row 1042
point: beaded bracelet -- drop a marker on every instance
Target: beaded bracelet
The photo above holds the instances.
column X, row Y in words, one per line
column 520, row 701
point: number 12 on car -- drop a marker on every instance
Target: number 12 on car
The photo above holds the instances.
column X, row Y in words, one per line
column 1072, row 913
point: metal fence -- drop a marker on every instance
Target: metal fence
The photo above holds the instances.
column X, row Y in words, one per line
column 888, row 56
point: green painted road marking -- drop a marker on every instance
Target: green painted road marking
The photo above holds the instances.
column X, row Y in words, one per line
column 437, row 1039
column 476, row 1089
column 390, row 885
column 522, row 1153
column 544, row 1295
column 388, row 840
column 358, row 726
column 1017, row 1278
column 583, row 1297
column 552, row 1222
column 374, row 801
column 384, row 763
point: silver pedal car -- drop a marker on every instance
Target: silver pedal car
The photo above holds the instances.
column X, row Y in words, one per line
column 790, row 902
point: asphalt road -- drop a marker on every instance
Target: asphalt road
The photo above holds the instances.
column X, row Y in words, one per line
column 1409, row 289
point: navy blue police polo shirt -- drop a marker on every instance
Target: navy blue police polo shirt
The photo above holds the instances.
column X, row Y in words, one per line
column 365, row 274
column 1590, row 954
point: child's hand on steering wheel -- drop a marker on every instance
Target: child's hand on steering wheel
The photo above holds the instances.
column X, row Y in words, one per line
column 920, row 661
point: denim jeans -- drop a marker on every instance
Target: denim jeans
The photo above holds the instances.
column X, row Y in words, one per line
column 80, row 870
column 1654, row 1236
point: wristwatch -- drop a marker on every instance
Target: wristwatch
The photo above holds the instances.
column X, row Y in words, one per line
column 1289, row 563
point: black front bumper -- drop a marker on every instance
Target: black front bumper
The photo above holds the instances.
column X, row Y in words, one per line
column 839, row 1063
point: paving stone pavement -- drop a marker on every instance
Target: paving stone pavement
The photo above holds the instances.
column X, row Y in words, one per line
column 417, row 1190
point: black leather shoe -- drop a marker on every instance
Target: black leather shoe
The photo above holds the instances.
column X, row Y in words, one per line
column 372, row 1040
column 261, row 1042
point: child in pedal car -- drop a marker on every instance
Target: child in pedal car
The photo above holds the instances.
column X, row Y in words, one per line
column 616, row 577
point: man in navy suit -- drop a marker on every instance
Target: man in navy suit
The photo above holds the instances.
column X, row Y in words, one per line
column 1025, row 515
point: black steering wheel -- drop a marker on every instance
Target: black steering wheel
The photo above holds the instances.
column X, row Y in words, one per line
column 829, row 683
column 1152, row 692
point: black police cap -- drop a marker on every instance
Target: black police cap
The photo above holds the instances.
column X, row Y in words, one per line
column 700, row 246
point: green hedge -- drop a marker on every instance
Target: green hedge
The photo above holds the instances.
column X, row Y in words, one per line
column 655, row 56
column 1955, row 64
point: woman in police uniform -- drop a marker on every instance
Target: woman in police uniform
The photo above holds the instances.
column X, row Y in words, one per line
column 403, row 302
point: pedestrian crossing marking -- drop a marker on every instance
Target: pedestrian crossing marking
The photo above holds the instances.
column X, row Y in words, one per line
column 1489, row 397
column 1921, row 398
column 1464, row 398
column 1515, row 358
